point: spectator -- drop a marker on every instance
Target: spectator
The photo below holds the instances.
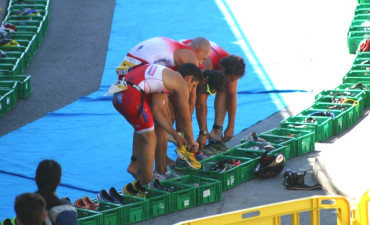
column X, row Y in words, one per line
column 30, row 209
column 48, row 178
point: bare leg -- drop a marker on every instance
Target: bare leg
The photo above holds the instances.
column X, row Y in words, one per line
column 170, row 162
column 220, row 113
column 133, row 164
column 145, row 149
column 161, row 150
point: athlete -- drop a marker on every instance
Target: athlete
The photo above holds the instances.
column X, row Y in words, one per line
column 143, row 102
column 225, row 102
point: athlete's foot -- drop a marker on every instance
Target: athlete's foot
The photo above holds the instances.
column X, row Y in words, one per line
column 216, row 135
column 132, row 170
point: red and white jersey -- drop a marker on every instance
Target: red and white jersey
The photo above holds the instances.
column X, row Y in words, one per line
column 158, row 50
column 149, row 78
column 217, row 53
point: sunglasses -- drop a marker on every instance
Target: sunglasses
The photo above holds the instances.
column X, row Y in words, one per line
column 209, row 90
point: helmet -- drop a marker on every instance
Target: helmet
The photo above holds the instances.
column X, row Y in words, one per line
column 27, row 12
column 269, row 166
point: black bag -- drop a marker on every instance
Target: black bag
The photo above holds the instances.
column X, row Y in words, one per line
column 295, row 181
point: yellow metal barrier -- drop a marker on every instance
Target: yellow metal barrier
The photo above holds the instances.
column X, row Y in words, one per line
column 289, row 211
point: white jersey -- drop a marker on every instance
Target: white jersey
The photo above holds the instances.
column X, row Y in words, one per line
column 149, row 78
column 158, row 50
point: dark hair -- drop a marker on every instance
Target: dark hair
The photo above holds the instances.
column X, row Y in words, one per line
column 48, row 175
column 30, row 208
column 188, row 69
column 216, row 79
column 233, row 65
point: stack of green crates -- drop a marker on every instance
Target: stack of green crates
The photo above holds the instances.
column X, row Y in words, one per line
column 359, row 28
column 30, row 30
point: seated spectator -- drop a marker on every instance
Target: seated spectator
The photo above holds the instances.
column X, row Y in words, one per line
column 59, row 211
column 30, row 209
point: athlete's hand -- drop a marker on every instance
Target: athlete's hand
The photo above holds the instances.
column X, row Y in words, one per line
column 228, row 134
column 180, row 141
column 193, row 146
column 216, row 135
column 202, row 140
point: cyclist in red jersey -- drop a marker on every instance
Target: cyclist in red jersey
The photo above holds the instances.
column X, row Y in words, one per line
column 233, row 67
column 144, row 101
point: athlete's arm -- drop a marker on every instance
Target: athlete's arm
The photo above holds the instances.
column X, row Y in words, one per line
column 201, row 113
column 231, row 88
column 174, row 82
column 161, row 115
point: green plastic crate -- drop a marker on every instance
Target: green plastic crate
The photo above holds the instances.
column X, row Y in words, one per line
column 352, row 86
column 12, row 85
column 8, row 69
column 159, row 202
column 354, row 38
column 354, row 113
column 29, row 3
column 112, row 213
column 27, row 40
column 321, row 126
column 88, row 217
column 19, row 55
column 22, row 49
column 251, row 149
column 356, row 95
column 228, row 178
column 24, row 84
column 18, row 66
column 208, row 190
column 135, row 209
column 338, row 121
column 7, row 100
column 304, row 140
column 41, row 8
column 36, row 31
column 181, row 196
column 39, row 24
column 288, row 143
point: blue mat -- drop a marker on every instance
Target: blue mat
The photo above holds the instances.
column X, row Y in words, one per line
column 90, row 140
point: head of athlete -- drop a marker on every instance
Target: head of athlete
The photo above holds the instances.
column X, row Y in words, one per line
column 212, row 81
column 202, row 48
column 233, row 67
column 191, row 74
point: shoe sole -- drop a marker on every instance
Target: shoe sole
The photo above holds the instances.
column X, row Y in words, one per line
column 185, row 159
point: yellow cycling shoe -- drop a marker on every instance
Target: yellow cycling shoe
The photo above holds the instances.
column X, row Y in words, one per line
column 189, row 157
